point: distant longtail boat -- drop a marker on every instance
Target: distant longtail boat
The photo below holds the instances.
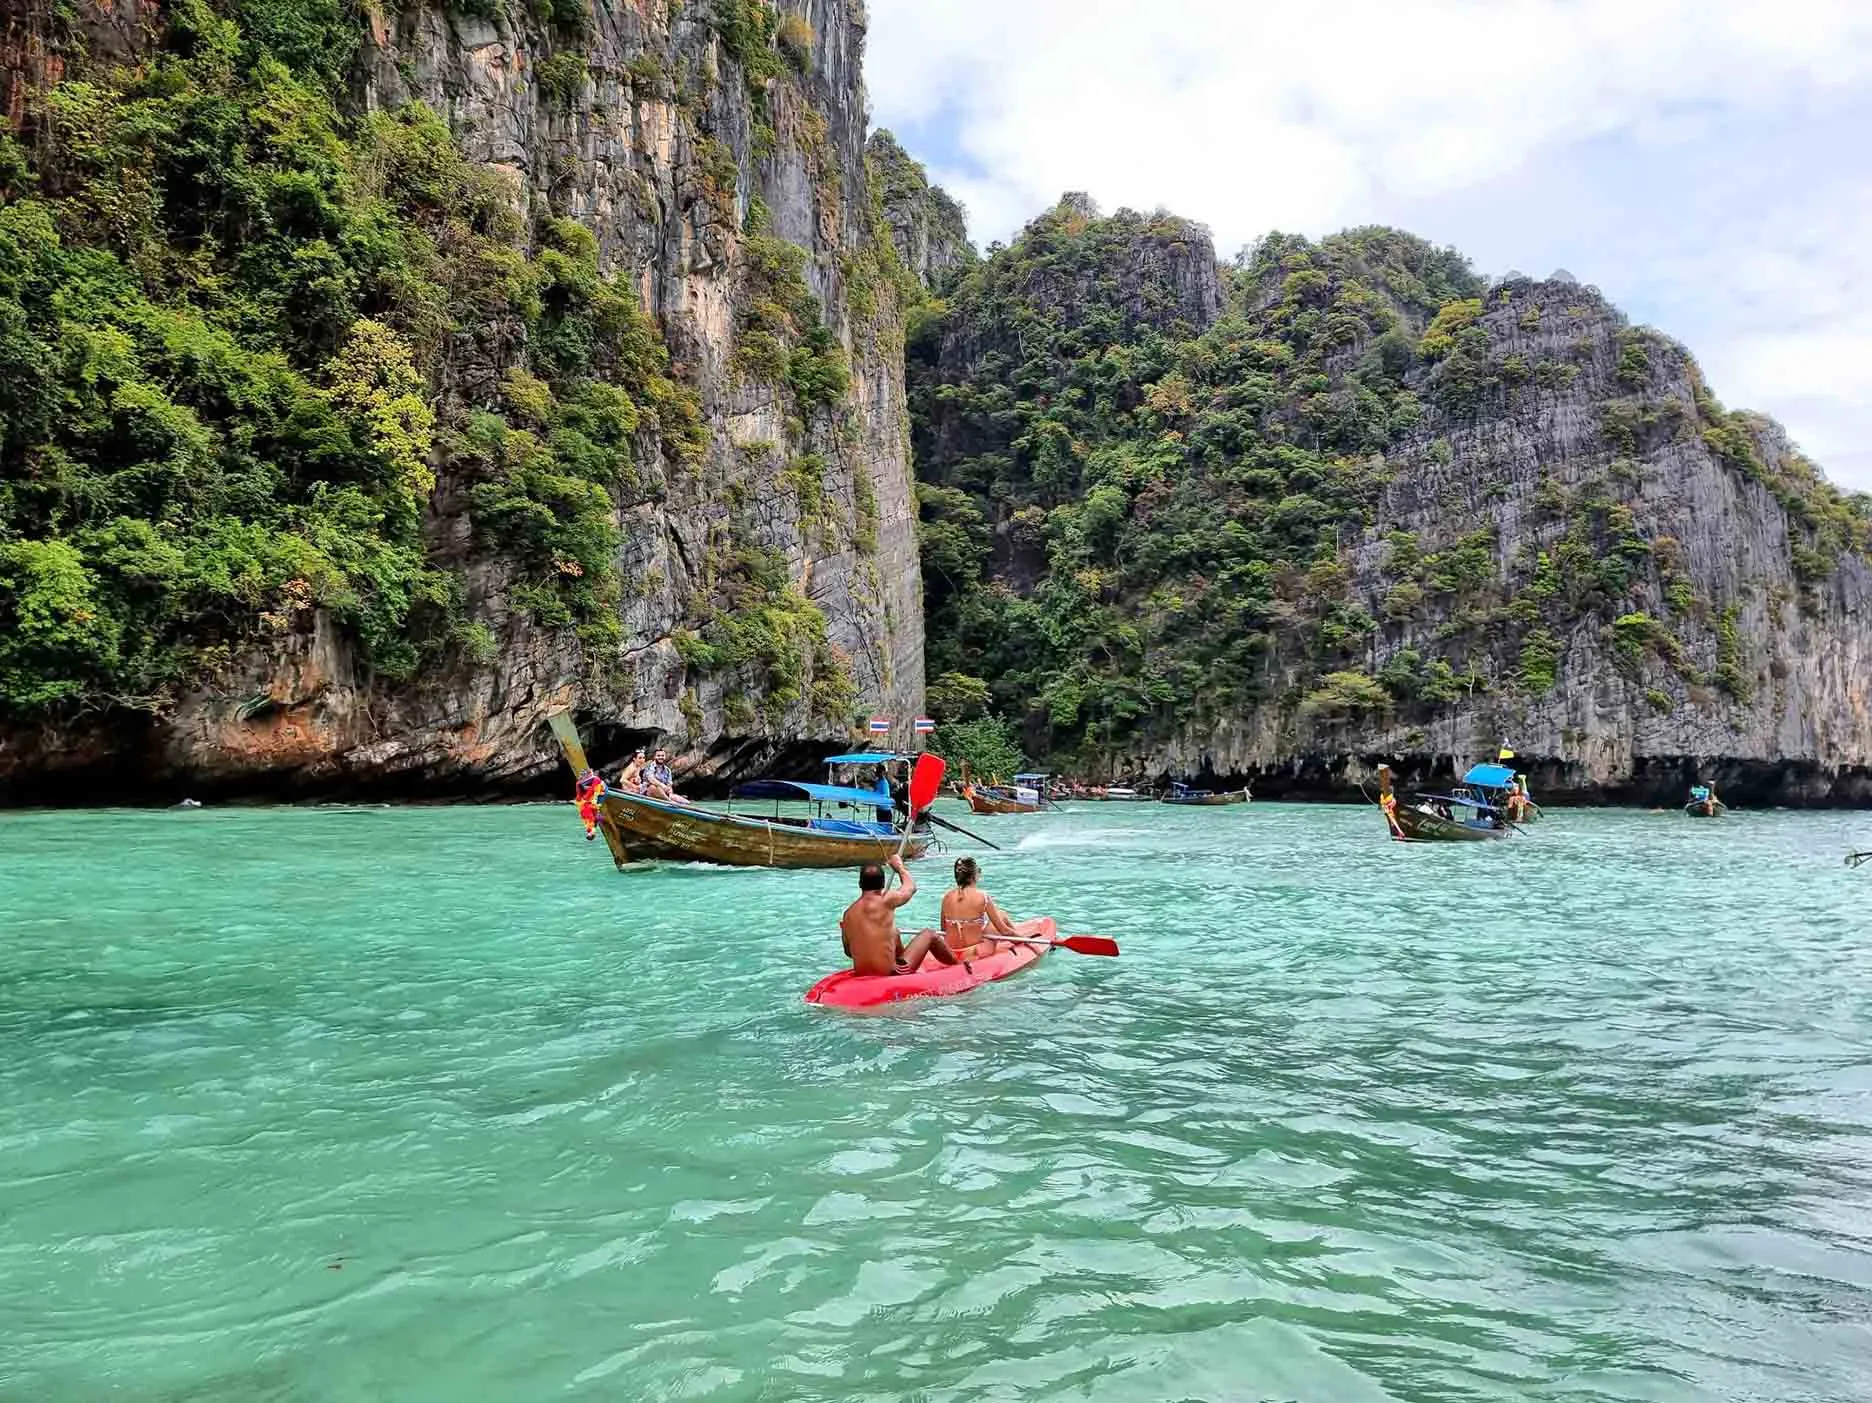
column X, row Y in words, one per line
column 1475, row 812
column 1019, row 798
column 1183, row 794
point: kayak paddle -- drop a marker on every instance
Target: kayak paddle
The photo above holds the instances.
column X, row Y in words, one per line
column 925, row 779
column 1078, row 944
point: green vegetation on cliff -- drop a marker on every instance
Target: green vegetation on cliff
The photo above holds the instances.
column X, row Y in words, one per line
column 1171, row 502
column 229, row 320
column 1134, row 527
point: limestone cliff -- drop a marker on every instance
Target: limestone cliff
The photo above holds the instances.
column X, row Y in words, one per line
column 1367, row 507
column 768, row 588
column 928, row 227
column 1733, row 646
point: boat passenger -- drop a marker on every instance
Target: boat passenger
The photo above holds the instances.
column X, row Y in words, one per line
column 658, row 782
column 969, row 914
column 869, row 926
column 881, row 786
column 631, row 778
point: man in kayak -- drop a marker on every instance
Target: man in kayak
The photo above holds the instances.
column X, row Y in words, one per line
column 869, row 926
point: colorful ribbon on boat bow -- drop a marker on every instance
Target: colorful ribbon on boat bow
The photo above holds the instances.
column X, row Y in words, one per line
column 590, row 790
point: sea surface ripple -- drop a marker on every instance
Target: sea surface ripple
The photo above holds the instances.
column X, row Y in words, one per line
column 430, row 1103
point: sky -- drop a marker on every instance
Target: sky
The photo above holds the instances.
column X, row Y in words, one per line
column 1707, row 164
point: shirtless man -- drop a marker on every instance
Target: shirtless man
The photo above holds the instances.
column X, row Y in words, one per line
column 869, row 926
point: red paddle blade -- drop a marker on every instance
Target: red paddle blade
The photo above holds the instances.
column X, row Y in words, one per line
column 925, row 779
column 1088, row 944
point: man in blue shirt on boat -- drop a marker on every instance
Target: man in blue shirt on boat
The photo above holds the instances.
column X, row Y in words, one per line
column 658, row 782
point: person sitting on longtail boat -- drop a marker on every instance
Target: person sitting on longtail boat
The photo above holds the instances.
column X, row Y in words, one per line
column 658, row 782
column 869, row 926
column 969, row 914
column 631, row 777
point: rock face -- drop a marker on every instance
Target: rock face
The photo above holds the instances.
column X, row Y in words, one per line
column 1732, row 654
column 928, row 227
column 1343, row 503
column 679, row 142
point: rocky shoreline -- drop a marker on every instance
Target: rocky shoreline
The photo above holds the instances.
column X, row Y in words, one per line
column 537, row 772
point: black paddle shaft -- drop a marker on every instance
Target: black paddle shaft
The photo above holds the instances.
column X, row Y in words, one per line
column 958, row 828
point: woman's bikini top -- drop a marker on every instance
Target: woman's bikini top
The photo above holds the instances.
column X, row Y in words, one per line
column 961, row 923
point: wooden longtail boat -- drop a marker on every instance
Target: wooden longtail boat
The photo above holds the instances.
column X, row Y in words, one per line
column 1704, row 803
column 1182, row 794
column 1001, row 798
column 1467, row 816
column 990, row 800
column 640, row 829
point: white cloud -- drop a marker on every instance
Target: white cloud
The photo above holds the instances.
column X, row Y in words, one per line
column 1251, row 116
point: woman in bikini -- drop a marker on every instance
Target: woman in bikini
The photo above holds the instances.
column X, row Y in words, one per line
column 969, row 915
column 631, row 779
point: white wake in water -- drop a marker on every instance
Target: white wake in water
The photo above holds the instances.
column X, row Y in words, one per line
column 1105, row 838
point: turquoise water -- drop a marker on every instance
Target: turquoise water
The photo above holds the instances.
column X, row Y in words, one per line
column 432, row 1104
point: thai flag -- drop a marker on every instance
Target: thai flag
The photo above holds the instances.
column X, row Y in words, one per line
column 880, row 725
column 924, row 725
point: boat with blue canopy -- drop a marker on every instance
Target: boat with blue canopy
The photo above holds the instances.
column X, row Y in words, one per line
column 1180, row 793
column 1027, row 795
column 1476, row 810
column 1704, row 803
column 842, row 829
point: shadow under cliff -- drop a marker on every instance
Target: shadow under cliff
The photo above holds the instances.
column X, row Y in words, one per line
column 125, row 763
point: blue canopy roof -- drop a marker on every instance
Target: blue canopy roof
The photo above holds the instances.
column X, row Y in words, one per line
column 818, row 793
column 1489, row 776
column 867, row 757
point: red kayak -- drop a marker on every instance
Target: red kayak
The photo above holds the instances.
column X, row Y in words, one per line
column 848, row 990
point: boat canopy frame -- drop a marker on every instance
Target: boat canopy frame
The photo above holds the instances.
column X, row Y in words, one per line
column 815, row 793
column 875, row 757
